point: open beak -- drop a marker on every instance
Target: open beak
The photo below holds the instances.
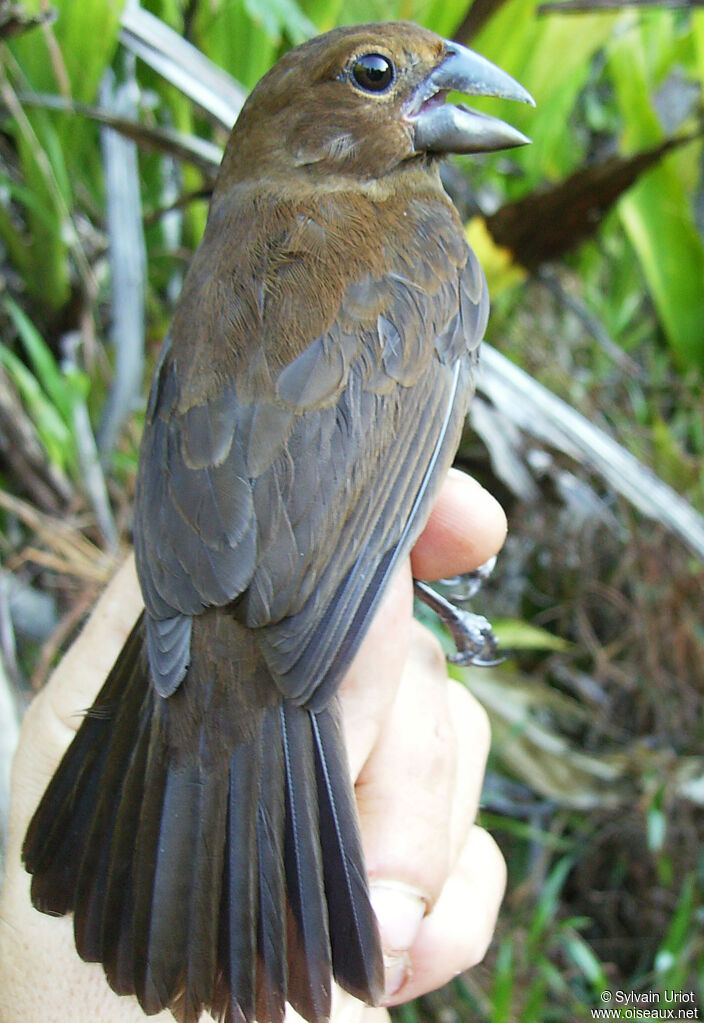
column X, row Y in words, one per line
column 441, row 127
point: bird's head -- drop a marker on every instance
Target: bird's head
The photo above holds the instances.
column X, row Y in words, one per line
column 363, row 100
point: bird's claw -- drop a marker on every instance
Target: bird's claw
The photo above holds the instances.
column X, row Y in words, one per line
column 474, row 639
column 464, row 587
column 472, row 634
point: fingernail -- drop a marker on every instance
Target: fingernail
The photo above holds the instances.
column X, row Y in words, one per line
column 397, row 969
column 399, row 910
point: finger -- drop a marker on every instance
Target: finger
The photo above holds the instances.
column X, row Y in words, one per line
column 370, row 686
column 467, row 527
column 41, row 975
column 418, row 797
column 471, row 725
column 405, row 790
column 457, row 932
column 419, row 761
column 345, row 1009
column 56, row 713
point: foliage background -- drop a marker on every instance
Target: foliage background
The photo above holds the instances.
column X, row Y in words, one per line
column 596, row 783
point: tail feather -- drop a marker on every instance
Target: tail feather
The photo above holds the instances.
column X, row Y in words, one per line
column 69, row 800
column 242, row 895
column 54, row 843
column 91, row 890
column 146, row 848
column 118, row 961
column 181, row 943
column 54, row 883
column 92, row 881
column 227, row 878
column 310, row 966
column 204, row 905
column 354, row 935
column 272, row 879
column 167, row 938
column 118, row 908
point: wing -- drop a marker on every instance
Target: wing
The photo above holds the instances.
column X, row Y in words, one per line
column 292, row 492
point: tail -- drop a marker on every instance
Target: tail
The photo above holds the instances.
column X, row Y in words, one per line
column 230, row 883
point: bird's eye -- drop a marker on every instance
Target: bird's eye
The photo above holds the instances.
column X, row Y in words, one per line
column 373, row 72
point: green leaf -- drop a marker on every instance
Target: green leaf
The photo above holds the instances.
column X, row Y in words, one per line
column 226, row 32
column 657, row 212
column 536, row 997
column 281, row 16
column 548, row 904
column 589, row 965
column 659, row 223
column 502, row 988
column 697, row 23
column 13, row 236
column 28, row 198
column 527, row 47
column 679, row 931
column 52, row 431
column 443, row 16
column 86, row 34
column 521, row 830
column 48, row 373
column 49, row 281
column 69, row 57
column 325, row 14
column 518, row 635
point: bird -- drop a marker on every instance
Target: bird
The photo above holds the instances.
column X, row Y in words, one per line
column 306, row 406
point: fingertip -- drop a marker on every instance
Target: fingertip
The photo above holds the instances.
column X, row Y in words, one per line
column 399, row 910
column 467, row 526
column 457, row 933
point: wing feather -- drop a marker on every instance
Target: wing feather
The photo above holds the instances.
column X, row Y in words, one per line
column 288, row 493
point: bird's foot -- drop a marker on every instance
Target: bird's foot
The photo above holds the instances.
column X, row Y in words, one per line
column 472, row 634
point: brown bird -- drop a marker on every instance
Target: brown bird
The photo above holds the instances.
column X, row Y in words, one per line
column 307, row 404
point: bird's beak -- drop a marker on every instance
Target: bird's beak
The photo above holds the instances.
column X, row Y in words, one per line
column 440, row 127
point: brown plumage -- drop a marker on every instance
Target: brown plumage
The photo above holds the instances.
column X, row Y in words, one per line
column 202, row 826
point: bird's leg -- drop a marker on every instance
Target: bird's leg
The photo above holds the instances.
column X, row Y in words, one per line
column 472, row 634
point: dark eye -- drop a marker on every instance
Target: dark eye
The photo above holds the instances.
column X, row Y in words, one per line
column 372, row 72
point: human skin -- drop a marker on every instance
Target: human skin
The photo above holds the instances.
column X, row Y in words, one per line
column 417, row 744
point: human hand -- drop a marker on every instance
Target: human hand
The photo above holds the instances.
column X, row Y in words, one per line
column 417, row 744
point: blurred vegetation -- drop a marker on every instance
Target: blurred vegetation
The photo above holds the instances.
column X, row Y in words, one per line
column 593, row 240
